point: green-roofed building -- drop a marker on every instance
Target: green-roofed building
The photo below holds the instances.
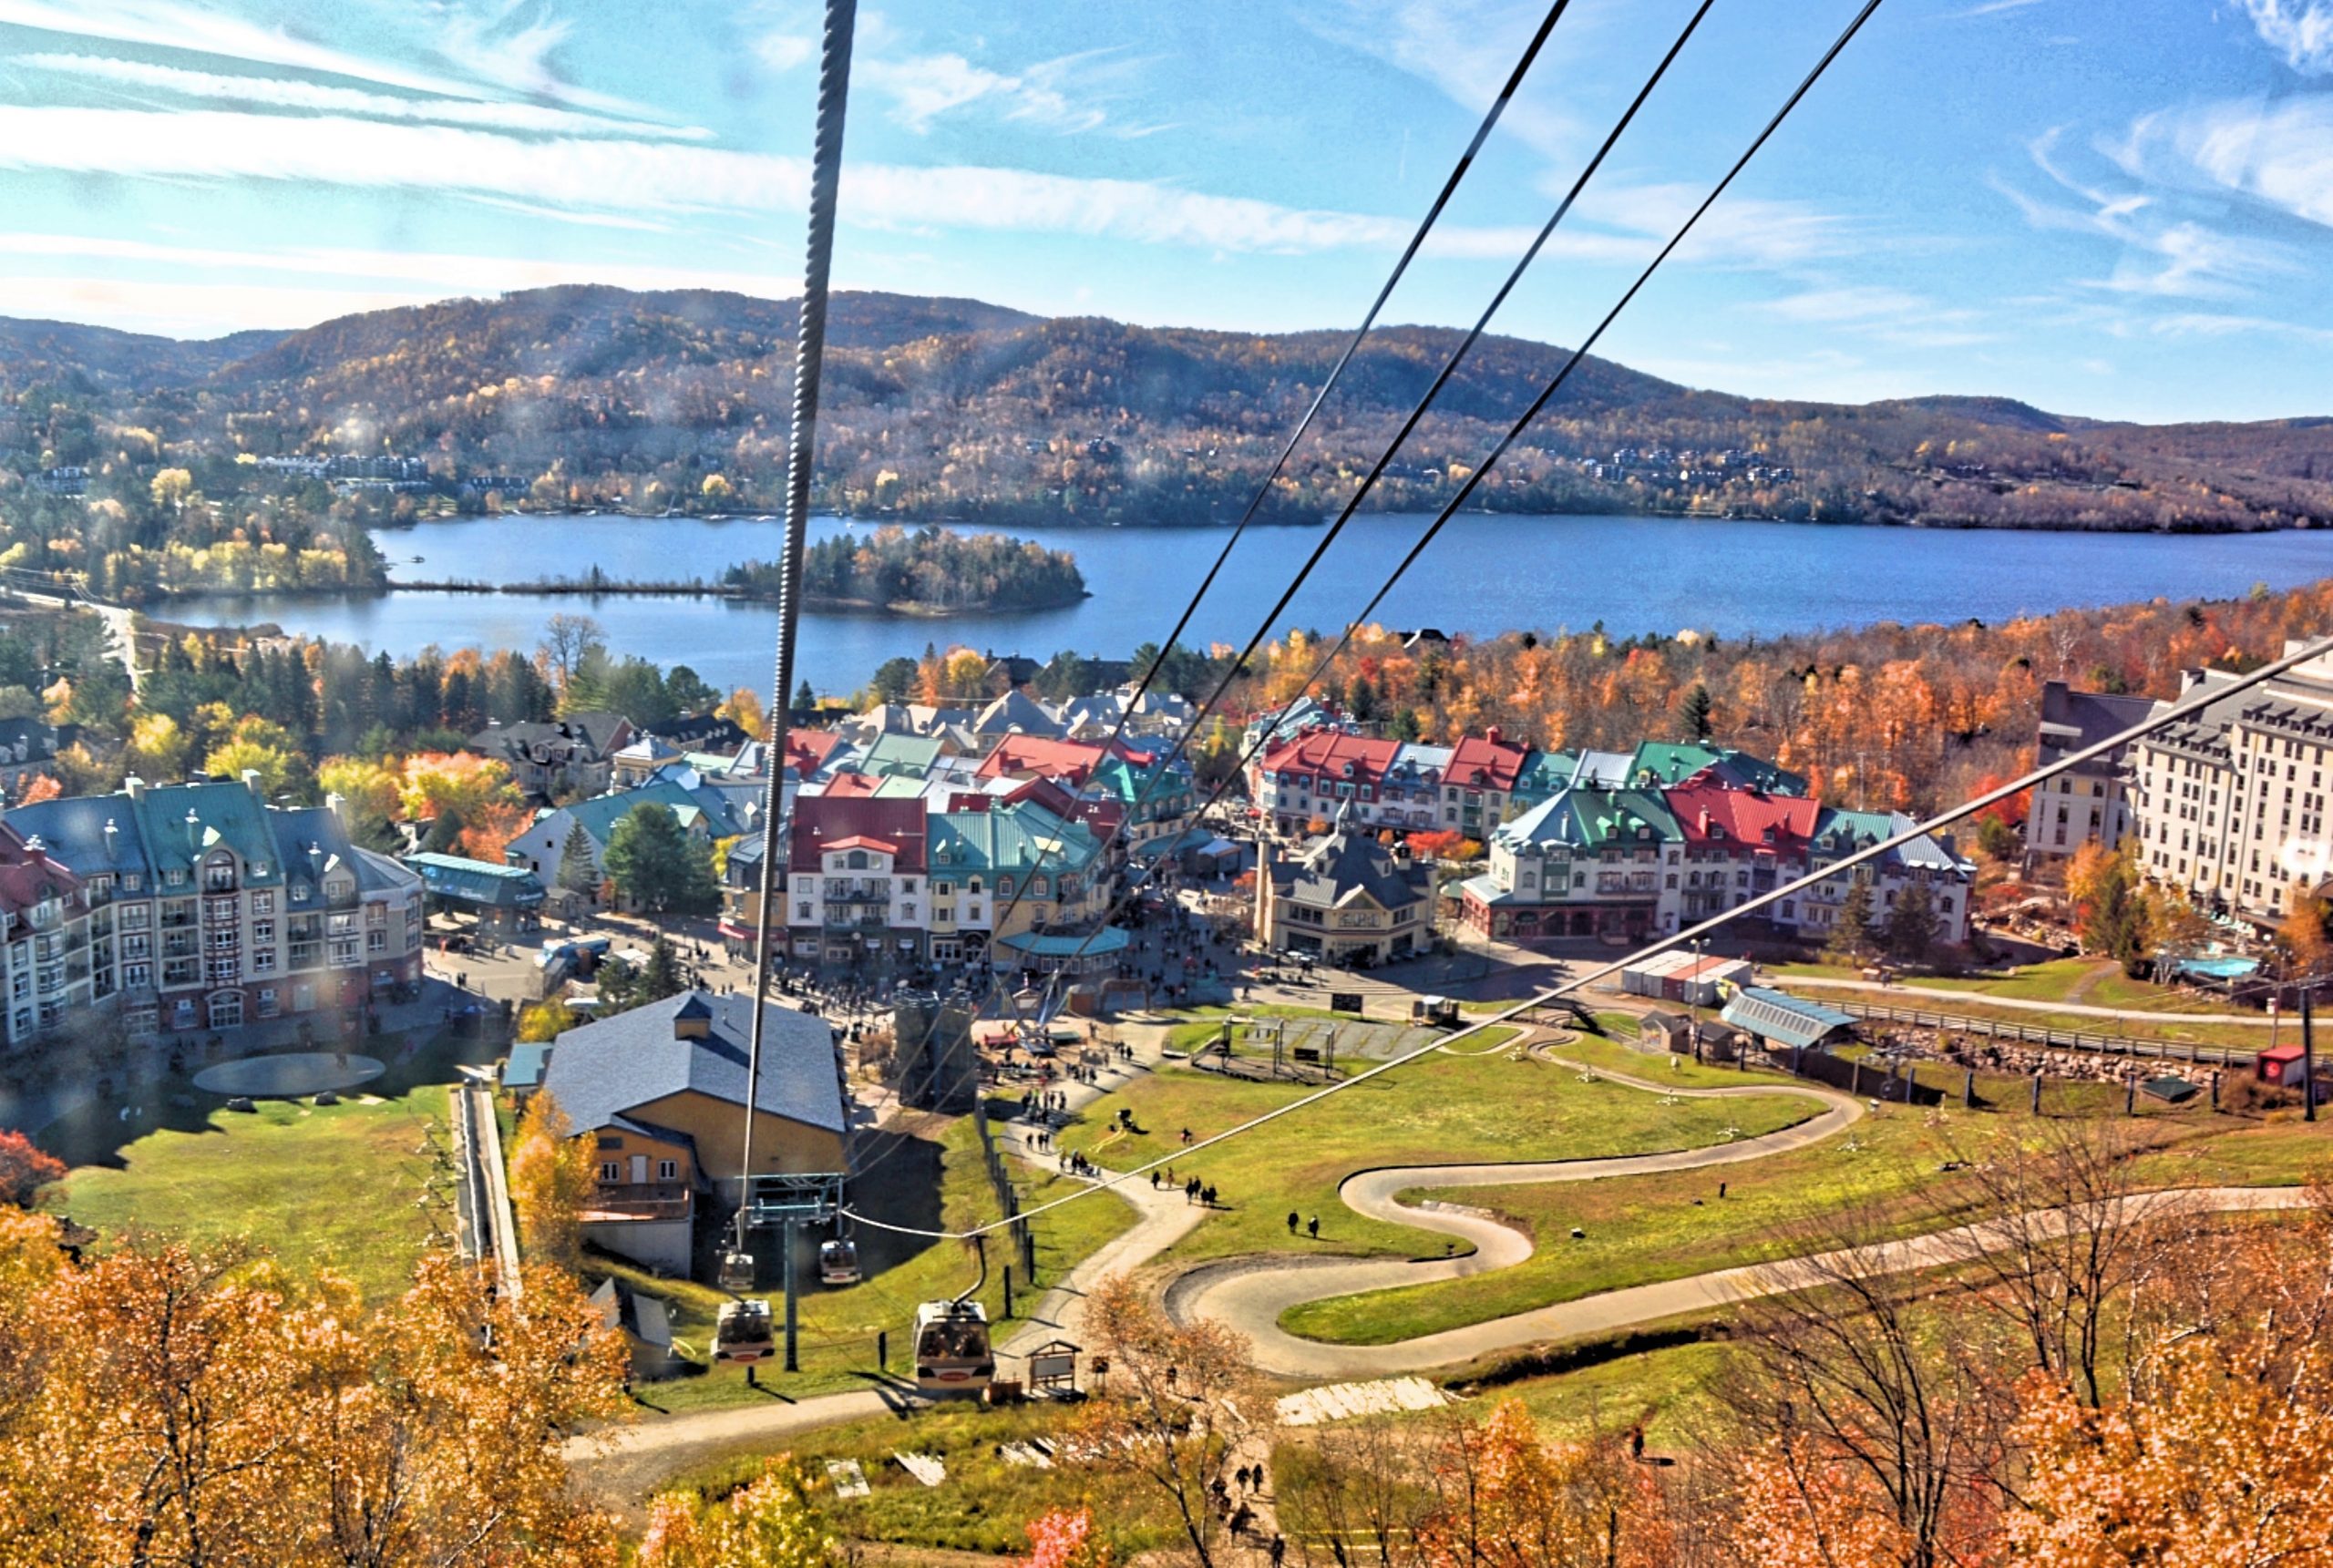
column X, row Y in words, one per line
column 1665, row 765
column 506, row 900
column 901, row 756
column 1587, row 863
column 1019, row 856
column 1543, row 776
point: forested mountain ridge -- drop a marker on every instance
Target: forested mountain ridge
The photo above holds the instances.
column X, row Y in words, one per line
column 952, row 409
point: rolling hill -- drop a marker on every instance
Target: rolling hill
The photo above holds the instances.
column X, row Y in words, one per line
column 949, row 408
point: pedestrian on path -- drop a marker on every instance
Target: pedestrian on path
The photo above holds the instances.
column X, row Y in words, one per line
column 1294, row 1219
column 1313, row 1225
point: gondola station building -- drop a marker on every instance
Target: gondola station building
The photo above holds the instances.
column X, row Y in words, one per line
column 661, row 1093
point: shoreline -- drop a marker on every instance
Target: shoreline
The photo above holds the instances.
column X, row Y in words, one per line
column 1073, row 524
column 913, row 609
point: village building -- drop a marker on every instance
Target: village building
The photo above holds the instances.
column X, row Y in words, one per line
column 2090, row 802
column 855, row 884
column 661, row 1093
column 1345, row 897
column 209, row 908
column 569, row 757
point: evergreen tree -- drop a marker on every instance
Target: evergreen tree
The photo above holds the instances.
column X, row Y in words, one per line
column 2118, row 924
column 662, row 978
column 576, row 872
column 1696, row 712
column 445, row 833
column 1851, row 938
column 805, row 701
column 1912, row 925
column 658, row 865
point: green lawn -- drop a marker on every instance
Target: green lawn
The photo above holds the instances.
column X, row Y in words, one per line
column 2055, row 981
column 1440, row 1110
column 838, row 1326
column 1660, row 1066
column 353, row 1187
column 1643, row 1229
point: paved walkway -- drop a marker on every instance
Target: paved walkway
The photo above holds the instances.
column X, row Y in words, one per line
column 1941, row 1000
column 630, row 1459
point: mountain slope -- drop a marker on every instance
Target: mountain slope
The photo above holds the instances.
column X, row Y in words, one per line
column 951, row 408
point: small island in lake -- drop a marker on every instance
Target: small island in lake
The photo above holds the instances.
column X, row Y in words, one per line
column 927, row 571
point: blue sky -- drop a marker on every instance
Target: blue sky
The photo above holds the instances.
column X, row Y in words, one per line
column 2120, row 207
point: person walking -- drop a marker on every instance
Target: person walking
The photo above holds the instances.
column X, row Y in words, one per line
column 1313, row 1226
column 1294, row 1219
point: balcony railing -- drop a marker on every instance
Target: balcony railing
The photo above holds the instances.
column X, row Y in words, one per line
column 639, row 1201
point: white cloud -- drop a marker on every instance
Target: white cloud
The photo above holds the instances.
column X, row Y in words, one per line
column 633, row 177
column 433, row 274
column 923, row 88
column 2280, row 153
column 1889, row 316
column 485, row 58
column 2299, row 30
column 1464, row 50
column 2161, row 253
column 274, row 92
column 165, row 24
column 782, row 51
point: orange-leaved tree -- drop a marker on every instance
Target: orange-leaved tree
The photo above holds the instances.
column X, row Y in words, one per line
column 24, row 1168
column 169, row 1406
column 550, row 1182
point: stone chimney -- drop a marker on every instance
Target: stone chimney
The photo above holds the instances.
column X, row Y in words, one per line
column 251, row 783
column 134, row 787
column 338, row 805
column 1494, row 734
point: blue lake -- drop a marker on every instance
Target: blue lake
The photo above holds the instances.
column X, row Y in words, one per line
column 1485, row 574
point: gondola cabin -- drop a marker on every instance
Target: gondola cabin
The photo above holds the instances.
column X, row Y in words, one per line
column 951, row 1347
column 838, row 1261
column 742, row 1332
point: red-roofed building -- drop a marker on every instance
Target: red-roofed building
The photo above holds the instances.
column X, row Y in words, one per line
column 1736, row 842
column 1483, row 773
column 855, row 892
column 1036, row 756
column 1310, row 776
column 808, row 751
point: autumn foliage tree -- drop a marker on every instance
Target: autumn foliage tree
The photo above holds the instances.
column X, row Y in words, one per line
column 24, row 1168
column 552, row 1179
column 168, row 1406
column 1169, row 1411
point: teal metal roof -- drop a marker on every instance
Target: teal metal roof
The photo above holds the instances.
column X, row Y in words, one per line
column 477, row 881
column 525, row 1068
column 1786, row 1020
column 1107, row 941
column 1008, row 841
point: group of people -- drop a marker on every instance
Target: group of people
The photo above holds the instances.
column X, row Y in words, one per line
column 1313, row 1226
column 1235, row 1503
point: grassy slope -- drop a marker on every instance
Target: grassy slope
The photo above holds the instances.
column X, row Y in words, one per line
column 1646, row 1228
column 339, row 1187
column 1437, row 1110
column 838, row 1327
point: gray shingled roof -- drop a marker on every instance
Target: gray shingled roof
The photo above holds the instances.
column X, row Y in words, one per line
column 602, row 1069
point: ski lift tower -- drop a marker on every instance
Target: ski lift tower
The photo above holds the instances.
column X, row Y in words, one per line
column 785, row 1203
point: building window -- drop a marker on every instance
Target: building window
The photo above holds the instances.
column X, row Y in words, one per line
column 668, row 1170
column 610, row 1171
